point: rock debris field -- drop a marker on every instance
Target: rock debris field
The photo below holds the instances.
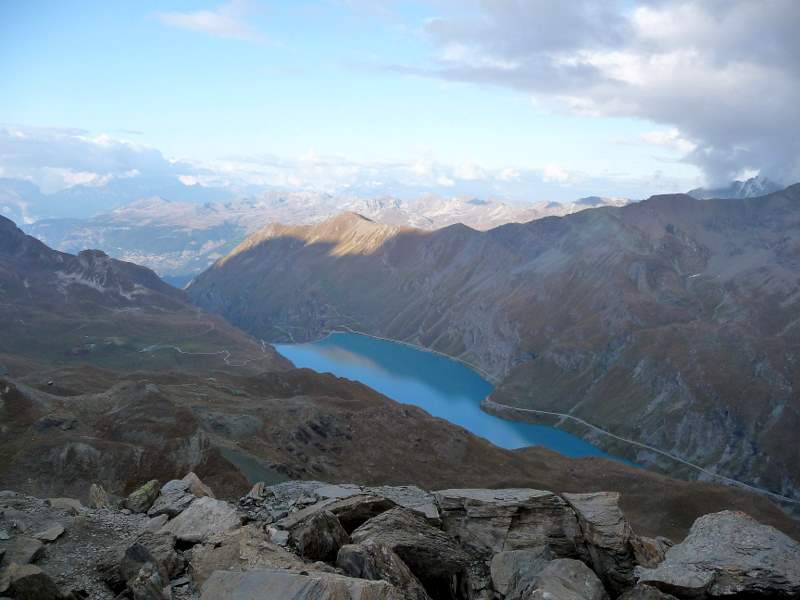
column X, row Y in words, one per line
column 314, row 540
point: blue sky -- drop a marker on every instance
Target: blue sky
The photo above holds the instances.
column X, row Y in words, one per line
column 343, row 91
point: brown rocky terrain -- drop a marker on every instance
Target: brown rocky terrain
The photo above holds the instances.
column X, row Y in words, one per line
column 673, row 321
column 120, row 429
column 61, row 308
column 68, row 420
column 307, row 539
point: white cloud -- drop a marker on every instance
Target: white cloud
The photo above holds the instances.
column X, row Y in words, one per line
column 722, row 73
column 508, row 174
column 553, row 173
column 57, row 158
column 670, row 138
column 469, row 171
column 227, row 20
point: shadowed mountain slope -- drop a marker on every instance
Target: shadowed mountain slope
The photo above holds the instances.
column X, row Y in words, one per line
column 672, row 321
column 57, row 307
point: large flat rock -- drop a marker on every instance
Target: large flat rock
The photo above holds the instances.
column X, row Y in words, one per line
column 492, row 521
column 269, row 584
column 204, row 517
column 729, row 553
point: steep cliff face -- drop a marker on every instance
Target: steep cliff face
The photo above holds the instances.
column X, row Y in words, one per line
column 672, row 321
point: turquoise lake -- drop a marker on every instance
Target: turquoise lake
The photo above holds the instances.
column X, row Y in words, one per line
column 444, row 387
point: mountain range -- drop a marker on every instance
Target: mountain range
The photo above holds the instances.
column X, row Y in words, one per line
column 108, row 375
column 672, row 321
column 180, row 239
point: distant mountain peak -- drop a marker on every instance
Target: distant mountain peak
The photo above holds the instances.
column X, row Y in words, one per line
column 751, row 188
column 347, row 217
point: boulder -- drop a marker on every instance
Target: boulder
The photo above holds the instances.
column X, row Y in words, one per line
column 729, row 553
column 257, row 493
column 607, row 536
column 271, row 584
column 566, row 579
column 645, row 592
column 432, row 555
column 318, row 537
column 69, row 505
column 29, row 582
column 22, row 550
column 492, row 521
column 197, row 487
column 239, row 550
column 155, row 523
column 157, row 549
column 141, row 499
column 650, row 552
column 354, row 511
column 204, row 517
column 411, row 497
column 174, row 498
column 148, row 584
column 99, row 498
column 376, row 562
column 513, row 571
column 123, row 564
column 51, row 534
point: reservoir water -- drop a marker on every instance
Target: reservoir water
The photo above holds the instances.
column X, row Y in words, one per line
column 444, row 387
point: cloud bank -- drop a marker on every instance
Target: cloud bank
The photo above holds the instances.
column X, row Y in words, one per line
column 723, row 76
column 56, row 159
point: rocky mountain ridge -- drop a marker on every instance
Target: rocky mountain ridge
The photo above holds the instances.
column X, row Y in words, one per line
column 750, row 188
column 683, row 312
column 92, row 308
column 181, row 239
column 309, row 539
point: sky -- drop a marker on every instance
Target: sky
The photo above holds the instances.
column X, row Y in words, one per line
column 520, row 99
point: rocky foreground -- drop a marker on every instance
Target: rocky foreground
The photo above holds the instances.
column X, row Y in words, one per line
column 306, row 539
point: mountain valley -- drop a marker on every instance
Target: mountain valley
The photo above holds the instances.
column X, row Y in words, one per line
column 682, row 311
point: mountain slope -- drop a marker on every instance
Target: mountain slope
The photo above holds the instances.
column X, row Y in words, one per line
column 64, row 423
column 671, row 321
column 92, row 308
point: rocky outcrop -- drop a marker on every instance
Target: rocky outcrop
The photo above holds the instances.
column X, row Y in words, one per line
column 514, row 571
column 434, row 556
column 606, row 536
column 175, row 496
column 729, row 553
column 319, row 536
column 204, row 517
column 196, row 486
column 486, row 545
column 566, row 579
column 29, row 582
column 241, row 549
column 266, row 584
column 492, row 521
column 645, row 592
column 375, row 561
